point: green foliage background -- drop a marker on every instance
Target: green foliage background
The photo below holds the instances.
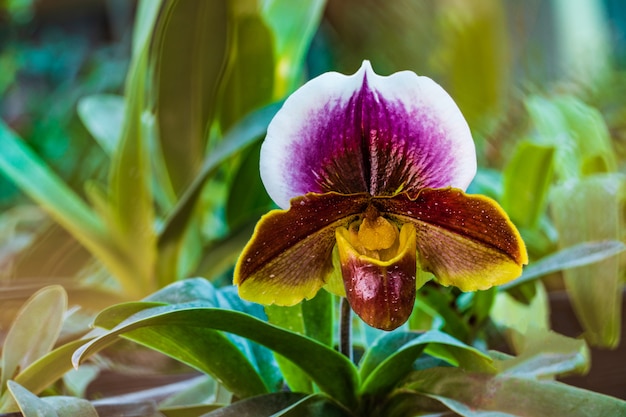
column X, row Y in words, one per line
column 131, row 167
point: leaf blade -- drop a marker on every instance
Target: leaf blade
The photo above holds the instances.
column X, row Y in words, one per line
column 332, row 372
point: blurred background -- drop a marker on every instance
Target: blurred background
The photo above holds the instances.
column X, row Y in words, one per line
column 522, row 72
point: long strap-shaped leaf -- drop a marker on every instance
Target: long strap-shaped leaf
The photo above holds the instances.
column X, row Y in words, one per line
column 392, row 357
column 37, row 180
column 473, row 394
column 331, row 371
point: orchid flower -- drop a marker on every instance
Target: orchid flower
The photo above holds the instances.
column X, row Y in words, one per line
column 370, row 173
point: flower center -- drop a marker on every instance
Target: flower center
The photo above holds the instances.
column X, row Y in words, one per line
column 374, row 236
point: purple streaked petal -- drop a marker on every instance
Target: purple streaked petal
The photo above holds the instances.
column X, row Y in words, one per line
column 366, row 133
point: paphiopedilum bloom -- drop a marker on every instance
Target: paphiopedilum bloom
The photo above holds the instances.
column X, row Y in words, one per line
column 370, row 172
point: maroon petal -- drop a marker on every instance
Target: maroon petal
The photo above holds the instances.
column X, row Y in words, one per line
column 289, row 256
column 464, row 240
column 382, row 293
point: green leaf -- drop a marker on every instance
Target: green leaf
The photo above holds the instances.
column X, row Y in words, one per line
column 187, row 80
column 199, row 397
column 474, row 58
column 318, row 316
column 199, row 290
column 147, row 12
column 293, row 24
column 575, row 256
column 189, row 410
column 518, row 318
column 41, row 184
column 577, row 132
column 221, row 255
column 241, row 135
column 527, row 179
column 586, row 210
column 224, row 360
column 31, row 406
column 409, row 403
column 247, row 199
column 261, row 406
column 290, row 318
column 313, row 406
column 477, row 394
column 544, row 353
column 391, row 358
column 439, row 301
column 34, row 331
column 49, row 368
column 313, row 318
column 592, row 136
column 130, row 193
column 249, row 76
column 103, row 115
column 331, row 371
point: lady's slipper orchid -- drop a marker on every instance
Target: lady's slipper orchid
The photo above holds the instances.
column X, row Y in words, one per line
column 371, row 172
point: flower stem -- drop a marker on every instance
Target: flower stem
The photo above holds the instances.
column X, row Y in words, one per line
column 345, row 329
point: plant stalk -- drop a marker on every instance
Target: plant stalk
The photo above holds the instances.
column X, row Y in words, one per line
column 345, row 329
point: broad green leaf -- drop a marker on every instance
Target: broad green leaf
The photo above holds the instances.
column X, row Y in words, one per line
column 34, row 331
column 192, row 400
column 577, row 132
column 591, row 209
column 473, row 57
column 592, row 136
column 383, row 347
column 31, row 406
column 184, row 291
column 249, row 75
column 261, row 357
column 527, row 178
column 318, row 315
column 293, row 24
column 330, row 370
column 575, row 256
column 518, row 318
column 313, row 318
column 477, row 394
column 195, row 290
column 206, row 349
column 77, row 381
column 49, row 368
column 188, row 56
column 103, row 115
column 544, row 353
column 290, row 318
column 389, row 359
